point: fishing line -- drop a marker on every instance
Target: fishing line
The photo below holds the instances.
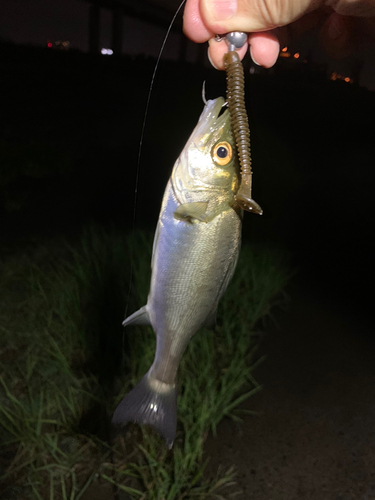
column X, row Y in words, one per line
column 139, row 159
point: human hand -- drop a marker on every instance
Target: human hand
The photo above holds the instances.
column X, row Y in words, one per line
column 271, row 23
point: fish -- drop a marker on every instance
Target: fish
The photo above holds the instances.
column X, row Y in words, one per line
column 195, row 252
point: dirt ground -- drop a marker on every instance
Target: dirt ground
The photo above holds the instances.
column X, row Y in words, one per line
column 314, row 438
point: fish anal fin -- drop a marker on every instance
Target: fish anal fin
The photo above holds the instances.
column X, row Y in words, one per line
column 152, row 403
column 140, row 317
column 193, row 210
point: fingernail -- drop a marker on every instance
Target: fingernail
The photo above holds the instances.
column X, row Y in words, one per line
column 252, row 57
column 223, row 9
column 209, row 58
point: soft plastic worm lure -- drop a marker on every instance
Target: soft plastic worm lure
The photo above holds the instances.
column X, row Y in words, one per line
column 238, row 115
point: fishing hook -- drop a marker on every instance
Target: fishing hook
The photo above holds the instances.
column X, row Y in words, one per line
column 204, row 92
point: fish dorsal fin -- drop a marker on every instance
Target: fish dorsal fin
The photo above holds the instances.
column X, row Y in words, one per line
column 194, row 210
column 140, row 317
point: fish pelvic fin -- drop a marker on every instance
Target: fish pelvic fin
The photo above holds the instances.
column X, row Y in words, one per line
column 140, row 317
column 193, row 210
column 153, row 403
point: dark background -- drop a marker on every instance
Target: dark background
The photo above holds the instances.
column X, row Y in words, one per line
column 70, row 128
column 70, row 131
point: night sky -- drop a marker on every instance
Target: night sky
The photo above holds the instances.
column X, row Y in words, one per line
column 36, row 21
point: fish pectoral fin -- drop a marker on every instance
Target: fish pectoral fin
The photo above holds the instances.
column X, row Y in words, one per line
column 193, row 210
column 140, row 317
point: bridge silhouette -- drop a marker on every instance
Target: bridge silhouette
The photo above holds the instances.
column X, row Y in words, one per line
column 156, row 12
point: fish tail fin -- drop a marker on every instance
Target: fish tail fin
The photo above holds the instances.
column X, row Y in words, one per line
column 151, row 402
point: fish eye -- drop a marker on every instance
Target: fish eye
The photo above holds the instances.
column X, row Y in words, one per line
column 222, row 153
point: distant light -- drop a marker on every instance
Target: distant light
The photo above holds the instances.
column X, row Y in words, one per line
column 58, row 44
column 107, row 52
column 284, row 54
column 337, row 76
column 284, row 49
column 296, row 55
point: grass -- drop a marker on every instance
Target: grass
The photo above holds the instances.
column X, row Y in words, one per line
column 62, row 372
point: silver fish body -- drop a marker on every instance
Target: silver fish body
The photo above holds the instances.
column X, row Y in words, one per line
column 196, row 247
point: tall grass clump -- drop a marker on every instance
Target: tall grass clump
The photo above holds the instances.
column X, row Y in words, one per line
column 65, row 362
column 215, row 376
column 45, row 386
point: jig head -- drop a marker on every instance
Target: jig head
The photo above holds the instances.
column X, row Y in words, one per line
column 238, row 116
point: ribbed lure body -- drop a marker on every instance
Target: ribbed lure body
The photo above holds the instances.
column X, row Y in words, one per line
column 240, row 125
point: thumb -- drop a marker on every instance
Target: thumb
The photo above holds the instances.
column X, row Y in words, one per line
column 222, row 16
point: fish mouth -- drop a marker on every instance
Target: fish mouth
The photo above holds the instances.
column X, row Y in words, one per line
column 212, row 117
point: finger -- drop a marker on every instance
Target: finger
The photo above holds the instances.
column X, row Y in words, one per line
column 193, row 25
column 264, row 48
column 222, row 16
column 335, row 36
column 359, row 8
column 216, row 51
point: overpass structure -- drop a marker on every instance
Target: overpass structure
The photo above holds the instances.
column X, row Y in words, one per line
column 156, row 12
